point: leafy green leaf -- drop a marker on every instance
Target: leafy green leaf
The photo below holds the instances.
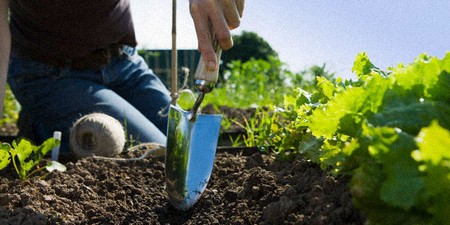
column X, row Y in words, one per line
column 434, row 153
column 46, row 147
column 362, row 65
column 394, row 189
column 433, row 142
column 410, row 117
column 348, row 107
column 326, row 87
column 5, row 157
column 22, row 150
column 392, row 149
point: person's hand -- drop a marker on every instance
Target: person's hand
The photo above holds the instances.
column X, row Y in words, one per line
column 215, row 18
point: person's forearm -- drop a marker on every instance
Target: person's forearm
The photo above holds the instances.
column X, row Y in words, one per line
column 5, row 47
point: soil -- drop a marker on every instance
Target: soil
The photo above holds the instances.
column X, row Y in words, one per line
column 246, row 187
column 243, row 189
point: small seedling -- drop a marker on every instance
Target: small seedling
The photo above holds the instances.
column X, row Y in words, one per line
column 26, row 157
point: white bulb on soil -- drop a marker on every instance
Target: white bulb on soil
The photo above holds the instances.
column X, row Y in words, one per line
column 97, row 134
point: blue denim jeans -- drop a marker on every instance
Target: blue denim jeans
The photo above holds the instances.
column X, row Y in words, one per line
column 53, row 98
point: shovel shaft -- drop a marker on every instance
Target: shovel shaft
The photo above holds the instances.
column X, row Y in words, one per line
column 197, row 104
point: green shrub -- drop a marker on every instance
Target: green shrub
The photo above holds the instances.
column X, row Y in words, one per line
column 11, row 110
column 255, row 83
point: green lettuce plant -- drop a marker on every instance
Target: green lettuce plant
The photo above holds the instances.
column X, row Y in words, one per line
column 389, row 130
column 26, row 157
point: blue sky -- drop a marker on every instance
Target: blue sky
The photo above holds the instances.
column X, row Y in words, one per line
column 305, row 33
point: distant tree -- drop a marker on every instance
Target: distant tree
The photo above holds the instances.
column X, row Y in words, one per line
column 320, row 71
column 247, row 45
column 307, row 79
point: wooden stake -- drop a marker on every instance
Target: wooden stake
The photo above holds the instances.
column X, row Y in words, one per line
column 174, row 79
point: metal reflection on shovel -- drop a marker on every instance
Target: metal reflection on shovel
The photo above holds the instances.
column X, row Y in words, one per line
column 190, row 154
column 191, row 144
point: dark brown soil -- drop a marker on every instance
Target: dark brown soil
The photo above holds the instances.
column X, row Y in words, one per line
column 254, row 189
column 246, row 187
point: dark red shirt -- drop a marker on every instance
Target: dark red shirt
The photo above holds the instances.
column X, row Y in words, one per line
column 69, row 28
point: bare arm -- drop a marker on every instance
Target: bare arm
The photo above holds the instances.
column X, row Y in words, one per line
column 5, row 47
column 215, row 18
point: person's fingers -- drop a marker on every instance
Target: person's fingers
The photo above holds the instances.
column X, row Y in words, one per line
column 240, row 6
column 204, row 35
column 221, row 30
column 231, row 13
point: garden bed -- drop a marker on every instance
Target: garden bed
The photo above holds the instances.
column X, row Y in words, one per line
column 245, row 188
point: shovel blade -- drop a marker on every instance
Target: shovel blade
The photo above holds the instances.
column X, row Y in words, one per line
column 191, row 149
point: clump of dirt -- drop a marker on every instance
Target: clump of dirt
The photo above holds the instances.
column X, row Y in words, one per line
column 243, row 189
